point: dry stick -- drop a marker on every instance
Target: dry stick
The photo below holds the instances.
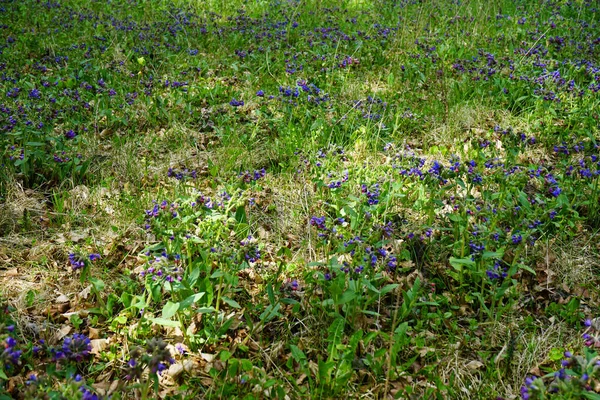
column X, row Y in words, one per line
column 389, row 362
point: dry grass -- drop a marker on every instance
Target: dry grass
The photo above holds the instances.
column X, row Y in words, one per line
column 577, row 261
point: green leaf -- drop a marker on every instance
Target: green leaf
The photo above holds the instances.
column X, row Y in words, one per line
column 240, row 215
column 373, row 313
column 3, row 374
column 246, row 364
column 121, row 319
column 335, row 333
column 458, row 263
column 298, row 355
column 224, row 355
column 190, row 300
column 556, row 354
column 193, row 277
column 526, row 268
column 454, row 217
column 492, row 254
column 164, row 322
column 217, row 274
column 205, row 310
column 231, row 302
column 348, row 296
column 388, row 288
column 156, row 292
column 270, row 312
column 284, row 252
column 169, row 309
column 98, row 284
column 270, row 293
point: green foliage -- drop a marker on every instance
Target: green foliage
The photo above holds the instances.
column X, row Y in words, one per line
column 350, row 198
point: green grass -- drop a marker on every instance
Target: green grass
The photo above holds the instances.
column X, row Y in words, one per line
column 404, row 206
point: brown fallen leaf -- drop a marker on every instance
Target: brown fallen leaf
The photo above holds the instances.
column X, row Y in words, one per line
column 98, row 345
column 11, row 273
column 175, row 370
column 94, row 333
column 62, row 332
column 474, row 365
column 62, row 299
column 85, row 292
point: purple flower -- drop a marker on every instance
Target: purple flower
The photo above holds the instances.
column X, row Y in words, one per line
column 76, row 261
column 319, row 222
column 75, row 348
column 555, row 191
column 34, row 94
column 260, row 93
column 516, row 238
column 70, row 134
column 11, row 342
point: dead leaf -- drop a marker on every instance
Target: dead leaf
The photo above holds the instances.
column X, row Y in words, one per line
column 300, row 379
column 11, row 273
column 85, row 292
column 474, row 365
column 77, row 237
column 191, row 366
column 62, row 299
column 175, row 370
column 64, row 331
column 536, row 371
column 93, row 333
column 98, row 345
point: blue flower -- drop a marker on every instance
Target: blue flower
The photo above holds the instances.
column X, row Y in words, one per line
column 76, row 261
column 516, row 238
column 555, row 191
column 75, row 348
column 34, row 94
column 70, row 134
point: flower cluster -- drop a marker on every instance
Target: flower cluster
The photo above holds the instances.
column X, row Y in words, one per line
column 163, row 267
column 236, row 103
column 78, row 261
column 183, row 174
column 248, row 176
column 155, row 356
column 10, row 355
column 74, row 348
column 576, row 377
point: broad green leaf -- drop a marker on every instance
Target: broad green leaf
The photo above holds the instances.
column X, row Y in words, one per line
column 388, row 288
column 458, row 263
column 298, row 355
column 186, row 303
column 231, row 302
column 164, row 322
column 169, row 309
column 348, row 296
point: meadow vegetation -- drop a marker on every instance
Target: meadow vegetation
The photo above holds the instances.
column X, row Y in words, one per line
column 299, row 199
